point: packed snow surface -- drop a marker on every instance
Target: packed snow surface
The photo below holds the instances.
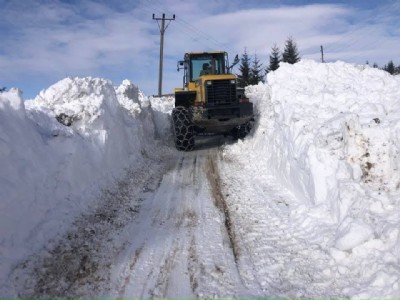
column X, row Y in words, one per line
column 321, row 165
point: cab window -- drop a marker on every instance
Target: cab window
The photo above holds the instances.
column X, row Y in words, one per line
column 213, row 63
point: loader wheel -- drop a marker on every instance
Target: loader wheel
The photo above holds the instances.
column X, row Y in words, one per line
column 241, row 131
column 183, row 129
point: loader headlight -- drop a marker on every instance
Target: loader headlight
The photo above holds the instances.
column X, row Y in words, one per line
column 233, row 81
column 208, row 82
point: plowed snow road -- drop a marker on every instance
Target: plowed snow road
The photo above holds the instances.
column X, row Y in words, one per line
column 199, row 224
column 180, row 245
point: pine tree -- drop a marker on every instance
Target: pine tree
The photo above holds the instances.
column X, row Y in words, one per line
column 390, row 68
column 397, row 70
column 375, row 65
column 3, row 89
column 290, row 53
column 255, row 71
column 274, row 59
column 244, row 68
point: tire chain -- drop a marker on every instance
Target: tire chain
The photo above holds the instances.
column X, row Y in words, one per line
column 183, row 129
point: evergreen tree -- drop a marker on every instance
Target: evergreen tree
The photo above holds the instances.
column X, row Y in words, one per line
column 244, row 68
column 274, row 59
column 2, row 89
column 255, row 71
column 375, row 65
column 397, row 71
column 290, row 53
column 390, row 68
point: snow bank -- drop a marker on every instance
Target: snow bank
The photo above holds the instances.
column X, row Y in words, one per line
column 330, row 132
column 321, row 121
column 161, row 108
column 58, row 150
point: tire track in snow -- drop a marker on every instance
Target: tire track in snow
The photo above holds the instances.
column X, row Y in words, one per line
column 219, row 200
column 164, row 228
column 163, row 278
column 128, row 277
column 194, row 267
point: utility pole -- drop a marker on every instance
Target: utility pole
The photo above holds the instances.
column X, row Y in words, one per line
column 322, row 54
column 162, row 31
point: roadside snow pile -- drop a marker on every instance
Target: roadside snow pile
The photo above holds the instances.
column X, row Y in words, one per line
column 161, row 108
column 331, row 133
column 130, row 97
column 58, row 151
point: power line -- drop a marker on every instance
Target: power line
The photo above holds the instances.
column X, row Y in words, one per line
column 187, row 27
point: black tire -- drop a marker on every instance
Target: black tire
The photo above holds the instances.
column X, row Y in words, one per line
column 183, row 129
column 241, row 131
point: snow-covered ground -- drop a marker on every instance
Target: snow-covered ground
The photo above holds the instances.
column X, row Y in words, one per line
column 310, row 198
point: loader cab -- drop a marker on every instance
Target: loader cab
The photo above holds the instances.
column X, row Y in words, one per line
column 206, row 64
column 194, row 65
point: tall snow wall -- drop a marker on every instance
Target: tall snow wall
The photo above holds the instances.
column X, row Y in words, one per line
column 57, row 152
column 331, row 134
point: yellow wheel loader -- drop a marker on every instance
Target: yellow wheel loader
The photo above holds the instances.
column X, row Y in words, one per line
column 210, row 101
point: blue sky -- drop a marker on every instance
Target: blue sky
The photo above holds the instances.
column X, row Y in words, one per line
column 43, row 41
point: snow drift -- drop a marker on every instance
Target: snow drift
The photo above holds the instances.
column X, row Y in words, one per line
column 328, row 128
column 330, row 132
column 57, row 152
